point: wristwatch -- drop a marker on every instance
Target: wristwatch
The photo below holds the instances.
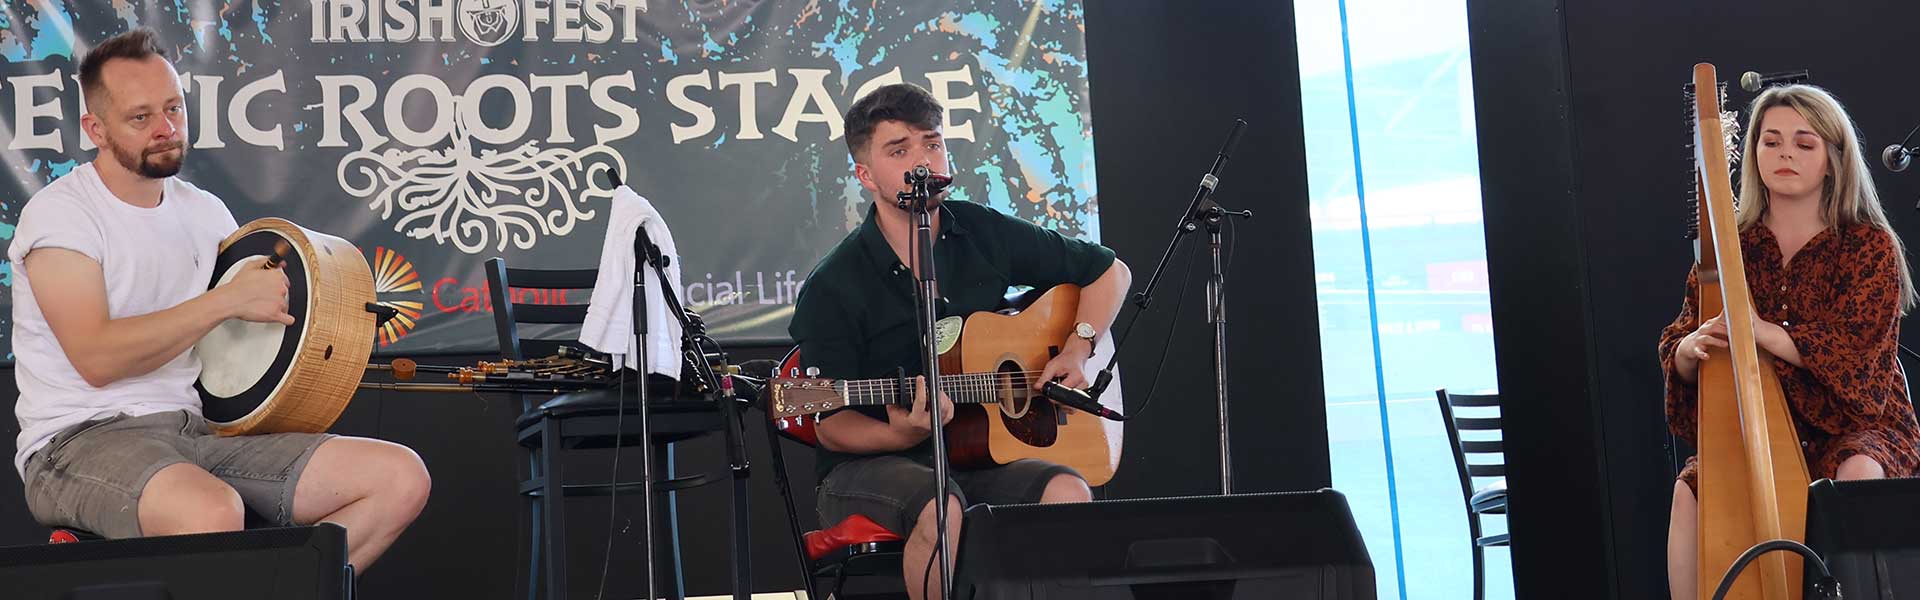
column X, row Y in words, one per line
column 1084, row 330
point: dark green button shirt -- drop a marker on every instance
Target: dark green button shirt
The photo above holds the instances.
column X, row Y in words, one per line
column 854, row 318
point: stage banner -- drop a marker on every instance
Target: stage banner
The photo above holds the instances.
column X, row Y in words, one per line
column 436, row 134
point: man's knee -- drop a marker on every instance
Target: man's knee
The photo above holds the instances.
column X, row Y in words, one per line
column 926, row 525
column 381, row 472
column 411, row 483
column 1066, row 488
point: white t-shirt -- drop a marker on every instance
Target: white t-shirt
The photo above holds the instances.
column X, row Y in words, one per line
column 152, row 259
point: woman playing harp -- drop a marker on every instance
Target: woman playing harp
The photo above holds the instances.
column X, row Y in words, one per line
column 1830, row 283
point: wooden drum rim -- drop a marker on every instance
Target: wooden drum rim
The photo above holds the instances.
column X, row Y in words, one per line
column 335, row 339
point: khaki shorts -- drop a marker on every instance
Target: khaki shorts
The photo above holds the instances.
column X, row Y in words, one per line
column 892, row 489
column 90, row 476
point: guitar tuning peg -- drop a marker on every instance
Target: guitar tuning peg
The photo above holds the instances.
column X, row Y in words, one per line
column 813, row 371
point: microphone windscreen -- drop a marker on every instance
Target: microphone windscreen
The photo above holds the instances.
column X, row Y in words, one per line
column 937, row 182
column 1896, row 158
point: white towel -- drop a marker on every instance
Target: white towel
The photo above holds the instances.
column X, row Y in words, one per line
column 609, row 324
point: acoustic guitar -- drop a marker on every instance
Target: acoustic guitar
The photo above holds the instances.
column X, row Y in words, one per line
column 988, row 363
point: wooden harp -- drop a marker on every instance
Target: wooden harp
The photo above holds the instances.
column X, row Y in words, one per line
column 1753, row 479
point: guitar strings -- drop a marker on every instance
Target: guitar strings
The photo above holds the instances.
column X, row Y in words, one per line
column 968, row 384
column 961, row 376
column 949, row 388
column 968, row 380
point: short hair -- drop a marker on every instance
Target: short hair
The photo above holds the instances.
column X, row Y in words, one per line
column 903, row 102
column 135, row 44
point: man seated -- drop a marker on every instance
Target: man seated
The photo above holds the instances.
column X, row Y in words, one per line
column 855, row 319
column 112, row 297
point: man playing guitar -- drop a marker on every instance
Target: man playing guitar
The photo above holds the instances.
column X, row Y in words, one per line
column 855, row 318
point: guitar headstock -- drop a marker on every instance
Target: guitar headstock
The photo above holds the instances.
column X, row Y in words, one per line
column 798, row 396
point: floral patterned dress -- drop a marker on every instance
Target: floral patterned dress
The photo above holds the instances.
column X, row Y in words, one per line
column 1840, row 302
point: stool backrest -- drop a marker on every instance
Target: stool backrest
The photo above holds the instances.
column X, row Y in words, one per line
column 1474, row 434
column 552, row 292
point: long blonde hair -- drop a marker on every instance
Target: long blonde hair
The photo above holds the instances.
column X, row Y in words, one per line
column 1848, row 195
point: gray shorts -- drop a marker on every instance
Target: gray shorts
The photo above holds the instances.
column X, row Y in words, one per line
column 893, row 489
column 90, row 476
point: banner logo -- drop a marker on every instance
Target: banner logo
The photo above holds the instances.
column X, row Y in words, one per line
column 481, row 22
column 488, row 22
column 464, row 181
column 474, row 199
column 394, row 278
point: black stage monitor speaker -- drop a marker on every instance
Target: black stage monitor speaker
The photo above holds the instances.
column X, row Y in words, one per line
column 287, row 563
column 1276, row 545
column 1869, row 536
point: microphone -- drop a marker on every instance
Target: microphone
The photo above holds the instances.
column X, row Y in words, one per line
column 934, row 181
column 1212, row 178
column 1896, row 157
column 1754, row 82
column 1073, row 398
column 937, row 183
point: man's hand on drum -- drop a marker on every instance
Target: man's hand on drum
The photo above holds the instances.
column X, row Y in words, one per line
column 258, row 293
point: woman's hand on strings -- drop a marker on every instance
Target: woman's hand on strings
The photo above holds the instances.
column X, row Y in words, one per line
column 1712, row 333
column 1697, row 346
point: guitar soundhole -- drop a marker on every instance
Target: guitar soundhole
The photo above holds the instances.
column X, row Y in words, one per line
column 1028, row 416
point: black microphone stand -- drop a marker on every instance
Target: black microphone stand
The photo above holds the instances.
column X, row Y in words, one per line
column 916, row 200
column 1203, row 210
column 645, row 253
column 693, row 337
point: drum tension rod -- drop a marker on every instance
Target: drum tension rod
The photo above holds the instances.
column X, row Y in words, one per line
column 382, row 313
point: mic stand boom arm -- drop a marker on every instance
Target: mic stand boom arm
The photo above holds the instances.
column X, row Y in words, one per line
column 1201, row 210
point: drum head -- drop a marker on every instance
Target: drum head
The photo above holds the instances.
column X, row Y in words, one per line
column 244, row 364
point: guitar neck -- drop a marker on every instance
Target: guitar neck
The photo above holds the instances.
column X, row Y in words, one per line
column 962, row 388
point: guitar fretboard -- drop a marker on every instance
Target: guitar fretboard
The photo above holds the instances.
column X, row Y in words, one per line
column 964, row 388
